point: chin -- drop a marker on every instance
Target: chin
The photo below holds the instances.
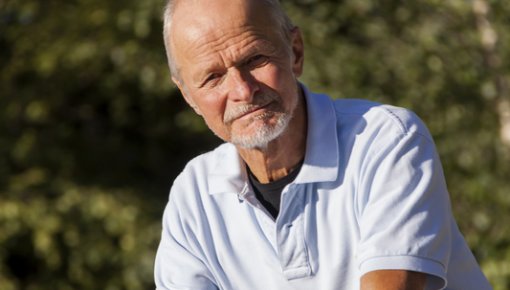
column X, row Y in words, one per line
column 261, row 136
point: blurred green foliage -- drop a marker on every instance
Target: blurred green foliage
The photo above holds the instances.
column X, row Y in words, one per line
column 92, row 132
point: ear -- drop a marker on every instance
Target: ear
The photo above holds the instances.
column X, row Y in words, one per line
column 297, row 51
column 185, row 94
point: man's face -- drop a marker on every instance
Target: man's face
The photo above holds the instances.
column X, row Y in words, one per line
column 236, row 68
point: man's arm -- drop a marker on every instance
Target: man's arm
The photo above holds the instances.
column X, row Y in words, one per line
column 393, row 280
column 179, row 263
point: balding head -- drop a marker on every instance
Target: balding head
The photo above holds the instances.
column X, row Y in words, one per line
column 280, row 19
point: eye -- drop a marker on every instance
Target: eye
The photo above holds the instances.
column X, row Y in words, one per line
column 257, row 61
column 212, row 79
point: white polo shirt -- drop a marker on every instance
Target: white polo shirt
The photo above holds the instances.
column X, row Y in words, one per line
column 370, row 195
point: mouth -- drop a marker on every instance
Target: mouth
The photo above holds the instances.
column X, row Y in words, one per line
column 253, row 110
column 247, row 111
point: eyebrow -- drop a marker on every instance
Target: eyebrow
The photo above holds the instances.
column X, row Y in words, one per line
column 260, row 45
column 256, row 46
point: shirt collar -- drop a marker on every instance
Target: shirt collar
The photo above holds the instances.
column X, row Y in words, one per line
column 321, row 158
column 228, row 173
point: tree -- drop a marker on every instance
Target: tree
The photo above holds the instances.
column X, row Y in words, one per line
column 93, row 132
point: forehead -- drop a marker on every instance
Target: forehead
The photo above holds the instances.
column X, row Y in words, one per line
column 204, row 26
column 212, row 13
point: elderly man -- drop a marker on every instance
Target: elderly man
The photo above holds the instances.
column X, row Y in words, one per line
column 307, row 192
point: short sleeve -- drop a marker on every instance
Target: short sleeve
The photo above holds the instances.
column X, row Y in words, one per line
column 404, row 209
column 178, row 264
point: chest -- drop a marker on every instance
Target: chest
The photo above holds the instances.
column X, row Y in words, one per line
column 315, row 234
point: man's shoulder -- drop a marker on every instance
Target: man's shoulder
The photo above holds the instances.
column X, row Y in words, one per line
column 206, row 163
column 199, row 190
column 377, row 116
column 211, row 157
column 208, row 173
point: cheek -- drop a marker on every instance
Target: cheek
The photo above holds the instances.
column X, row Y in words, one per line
column 212, row 108
column 210, row 104
column 277, row 75
column 281, row 80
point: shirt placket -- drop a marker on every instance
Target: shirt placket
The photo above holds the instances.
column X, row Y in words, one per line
column 289, row 241
column 290, row 238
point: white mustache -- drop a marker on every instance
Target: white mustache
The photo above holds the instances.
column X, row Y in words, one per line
column 240, row 110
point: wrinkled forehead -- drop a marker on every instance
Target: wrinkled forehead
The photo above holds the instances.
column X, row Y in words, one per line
column 220, row 9
column 194, row 20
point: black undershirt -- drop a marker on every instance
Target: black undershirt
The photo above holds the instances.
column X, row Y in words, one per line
column 269, row 194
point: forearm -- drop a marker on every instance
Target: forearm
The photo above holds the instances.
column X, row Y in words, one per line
column 393, row 280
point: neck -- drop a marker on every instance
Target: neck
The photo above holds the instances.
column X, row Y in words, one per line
column 282, row 154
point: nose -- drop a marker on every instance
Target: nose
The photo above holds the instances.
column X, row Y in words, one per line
column 242, row 86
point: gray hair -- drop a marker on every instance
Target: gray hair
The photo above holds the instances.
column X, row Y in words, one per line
column 279, row 15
